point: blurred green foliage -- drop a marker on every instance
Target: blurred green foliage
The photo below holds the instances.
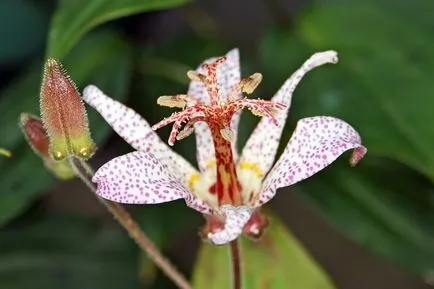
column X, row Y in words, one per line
column 21, row 44
column 381, row 85
column 67, row 250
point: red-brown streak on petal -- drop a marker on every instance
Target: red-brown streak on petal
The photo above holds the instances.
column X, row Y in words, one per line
column 35, row 133
column 213, row 189
column 228, row 187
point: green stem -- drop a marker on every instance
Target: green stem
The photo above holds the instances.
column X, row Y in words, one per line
column 85, row 173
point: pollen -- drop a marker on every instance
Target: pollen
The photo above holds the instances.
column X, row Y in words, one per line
column 192, row 180
column 227, row 134
column 178, row 101
column 211, row 164
column 256, row 113
column 252, row 167
column 249, row 84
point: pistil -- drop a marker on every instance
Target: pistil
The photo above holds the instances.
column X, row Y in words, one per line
column 227, row 187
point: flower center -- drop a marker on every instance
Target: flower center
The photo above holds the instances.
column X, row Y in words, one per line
column 217, row 114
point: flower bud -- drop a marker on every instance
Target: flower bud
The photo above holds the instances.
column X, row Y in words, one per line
column 37, row 137
column 64, row 115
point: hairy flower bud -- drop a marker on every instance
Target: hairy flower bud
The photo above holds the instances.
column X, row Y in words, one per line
column 64, row 115
column 37, row 138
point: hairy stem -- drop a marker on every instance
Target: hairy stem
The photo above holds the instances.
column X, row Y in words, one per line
column 85, row 173
column 236, row 264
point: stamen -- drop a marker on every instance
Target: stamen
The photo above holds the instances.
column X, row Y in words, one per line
column 256, row 113
column 189, row 127
column 194, row 75
column 185, row 132
column 273, row 111
column 249, row 84
column 227, row 134
column 178, row 119
column 260, row 107
column 218, row 115
column 173, row 100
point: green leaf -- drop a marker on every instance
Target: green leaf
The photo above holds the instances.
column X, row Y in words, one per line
column 278, row 260
column 391, row 78
column 384, row 206
column 59, row 251
column 73, row 19
column 23, row 176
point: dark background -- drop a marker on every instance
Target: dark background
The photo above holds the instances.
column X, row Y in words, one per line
column 58, row 234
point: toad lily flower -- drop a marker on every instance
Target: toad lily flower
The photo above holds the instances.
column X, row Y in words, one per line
column 229, row 188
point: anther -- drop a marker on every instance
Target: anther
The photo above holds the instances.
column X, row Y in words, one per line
column 194, row 75
column 227, row 134
column 184, row 133
column 173, row 100
column 249, row 84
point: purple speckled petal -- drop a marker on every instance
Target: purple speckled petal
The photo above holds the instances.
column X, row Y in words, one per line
column 315, row 143
column 137, row 132
column 228, row 75
column 140, row 178
column 262, row 145
column 236, row 219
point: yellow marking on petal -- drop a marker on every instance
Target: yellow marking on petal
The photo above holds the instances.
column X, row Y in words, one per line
column 5, row 152
column 253, row 167
column 210, row 164
column 192, row 180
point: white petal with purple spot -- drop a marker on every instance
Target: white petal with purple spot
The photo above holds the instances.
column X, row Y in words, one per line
column 236, row 219
column 137, row 132
column 262, row 145
column 140, row 178
column 315, row 143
